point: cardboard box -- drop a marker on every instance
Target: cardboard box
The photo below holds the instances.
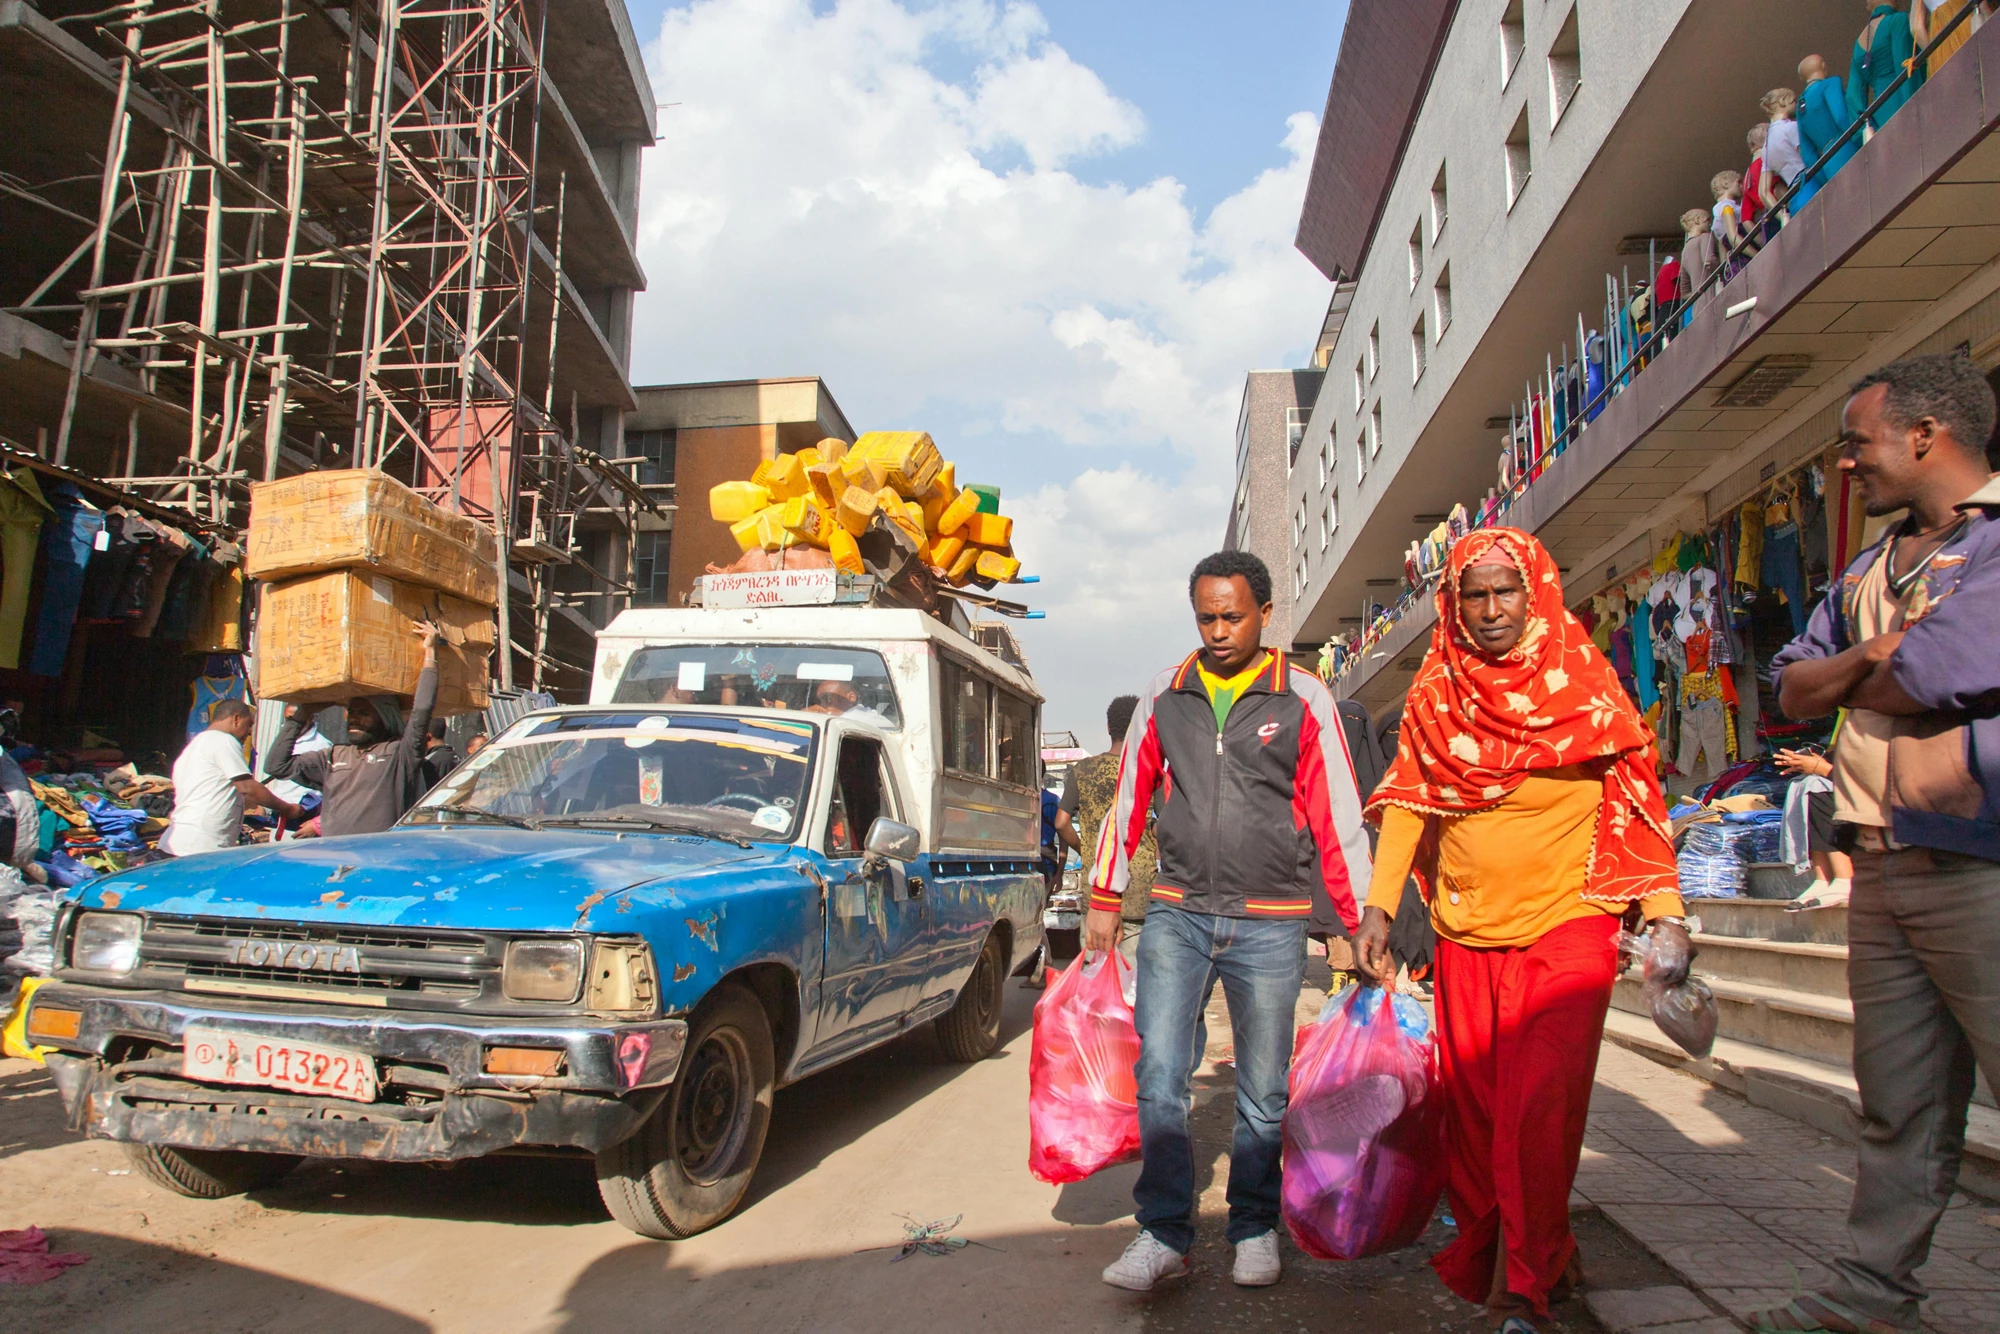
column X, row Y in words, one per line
column 357, row 518
column 328, row 637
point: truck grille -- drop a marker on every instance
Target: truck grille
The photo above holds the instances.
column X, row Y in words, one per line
column 419, row 968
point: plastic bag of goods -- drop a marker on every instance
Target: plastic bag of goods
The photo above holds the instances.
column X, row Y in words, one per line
column 1684, row 1010
column 1083, row 1095
column 1364, row 1128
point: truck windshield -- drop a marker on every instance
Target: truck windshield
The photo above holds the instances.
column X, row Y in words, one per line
column 696, row 772
column 809, row 677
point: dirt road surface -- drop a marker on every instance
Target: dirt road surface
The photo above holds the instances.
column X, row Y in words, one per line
column 523, row 1244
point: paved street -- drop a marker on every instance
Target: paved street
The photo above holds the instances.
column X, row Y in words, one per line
column 525, row 1245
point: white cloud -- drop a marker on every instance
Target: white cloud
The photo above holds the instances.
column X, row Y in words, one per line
column 824, row 201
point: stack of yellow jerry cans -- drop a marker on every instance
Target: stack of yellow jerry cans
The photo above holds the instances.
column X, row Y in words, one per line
column 829, row 494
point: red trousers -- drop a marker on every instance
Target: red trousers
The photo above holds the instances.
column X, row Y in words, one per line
column 1518, row 1032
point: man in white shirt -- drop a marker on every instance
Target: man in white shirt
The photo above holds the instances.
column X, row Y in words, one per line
column 842, row 698
column 212, row 783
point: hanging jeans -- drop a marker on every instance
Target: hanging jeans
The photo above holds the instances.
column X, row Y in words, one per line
column 22, row 510
column 69, row 539
column 1784, row 570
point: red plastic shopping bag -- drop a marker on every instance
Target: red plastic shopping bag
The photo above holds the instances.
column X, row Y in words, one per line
column 1364, row 1129
column 1083, row 1098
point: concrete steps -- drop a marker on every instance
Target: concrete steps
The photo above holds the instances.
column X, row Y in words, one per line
column 1780, row 980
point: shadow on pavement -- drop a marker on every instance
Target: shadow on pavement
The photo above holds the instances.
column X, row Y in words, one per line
column 810, row 1121
column 135, row 1285
column 33, row 1117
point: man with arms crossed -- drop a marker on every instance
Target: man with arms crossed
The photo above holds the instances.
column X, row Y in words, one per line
column 1259, row 821
column 1905, row 643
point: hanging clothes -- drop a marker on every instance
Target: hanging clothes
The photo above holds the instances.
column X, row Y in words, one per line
column 128, row 603
column 1750, row 544
column 69, row 542
column 1595, row 351
column 187, row 593
column 160, row 574
column 218, row 628
column 1642, row 652
column 22, row 512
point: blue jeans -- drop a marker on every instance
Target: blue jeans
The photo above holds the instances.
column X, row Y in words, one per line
column 69, row 540
column 1260, row 963
column 1784, row 570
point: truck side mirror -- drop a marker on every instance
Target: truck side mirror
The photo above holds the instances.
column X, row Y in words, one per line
column 893, row 842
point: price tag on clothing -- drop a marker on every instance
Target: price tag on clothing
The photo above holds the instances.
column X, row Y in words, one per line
column 102, row 542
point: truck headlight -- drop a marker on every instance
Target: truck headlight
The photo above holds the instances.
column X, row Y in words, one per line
column 542, row 970
column 106, row 942
column 622, row 978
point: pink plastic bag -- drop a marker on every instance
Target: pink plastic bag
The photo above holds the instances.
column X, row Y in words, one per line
column 1083, row 1098
column 1364, row 1132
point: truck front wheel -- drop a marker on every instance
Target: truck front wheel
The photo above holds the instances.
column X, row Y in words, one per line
column 687, row 1168
column 209, row 1174
column 970, row 1029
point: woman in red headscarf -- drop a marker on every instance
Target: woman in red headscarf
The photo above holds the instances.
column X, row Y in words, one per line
column 1523, row 797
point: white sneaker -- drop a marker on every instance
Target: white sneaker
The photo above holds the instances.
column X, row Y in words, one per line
column 1257, row 1261
column 1145, row 1262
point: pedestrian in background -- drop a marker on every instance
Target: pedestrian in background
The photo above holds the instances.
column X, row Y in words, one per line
column 1523, row 796
column 1260, row 822
column 439, row 757
column 1089, row 790
column 1905, row 643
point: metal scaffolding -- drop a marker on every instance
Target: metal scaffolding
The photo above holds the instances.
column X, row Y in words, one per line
column 319, row 229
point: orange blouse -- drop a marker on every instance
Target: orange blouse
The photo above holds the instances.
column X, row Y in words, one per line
column 1510, row 874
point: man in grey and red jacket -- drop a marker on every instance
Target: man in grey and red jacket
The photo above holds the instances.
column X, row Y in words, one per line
column 1905, row 643
column 1259, row 830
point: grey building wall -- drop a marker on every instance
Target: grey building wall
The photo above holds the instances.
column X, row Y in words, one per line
column 1270, row 421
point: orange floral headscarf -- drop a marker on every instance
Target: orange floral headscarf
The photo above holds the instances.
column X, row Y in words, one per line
column 1475, row 726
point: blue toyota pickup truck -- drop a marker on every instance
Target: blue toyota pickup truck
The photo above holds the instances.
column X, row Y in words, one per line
column 776, row 838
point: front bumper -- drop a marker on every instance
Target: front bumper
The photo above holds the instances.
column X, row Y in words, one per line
column 436, row 1101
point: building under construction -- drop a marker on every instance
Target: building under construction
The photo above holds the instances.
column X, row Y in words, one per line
column 251, row 238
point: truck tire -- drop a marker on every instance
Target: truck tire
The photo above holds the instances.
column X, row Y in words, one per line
column 970, row 1029
column 209, row 1174
column 687, row 1168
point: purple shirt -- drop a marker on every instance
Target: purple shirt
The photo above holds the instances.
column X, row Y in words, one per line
column 1945, row 763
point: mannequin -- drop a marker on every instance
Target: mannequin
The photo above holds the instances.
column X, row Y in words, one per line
column 1882, row 51
column 1782, row 154
column 1727, row 187
column 1929, row 17
column 1753, row 177
column 1698, row 252
column 1822, row 115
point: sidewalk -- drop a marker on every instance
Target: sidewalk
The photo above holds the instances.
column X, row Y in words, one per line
column 1745, row 1205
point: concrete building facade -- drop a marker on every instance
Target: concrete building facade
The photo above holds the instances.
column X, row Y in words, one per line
column 696, row 435
column 1549, row 147
column 1270, row 425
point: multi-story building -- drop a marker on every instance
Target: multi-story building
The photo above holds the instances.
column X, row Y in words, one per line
column 1497, row 184
column 1488, row 168
column 1270, row 425
column 691, row 436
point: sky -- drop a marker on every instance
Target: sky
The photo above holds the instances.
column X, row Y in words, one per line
column 1054, row 236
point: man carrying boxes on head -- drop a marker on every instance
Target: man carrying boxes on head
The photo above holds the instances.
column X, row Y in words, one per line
column 378, row 775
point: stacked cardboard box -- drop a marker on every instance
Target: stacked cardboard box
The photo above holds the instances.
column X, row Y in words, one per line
column 356, row 564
